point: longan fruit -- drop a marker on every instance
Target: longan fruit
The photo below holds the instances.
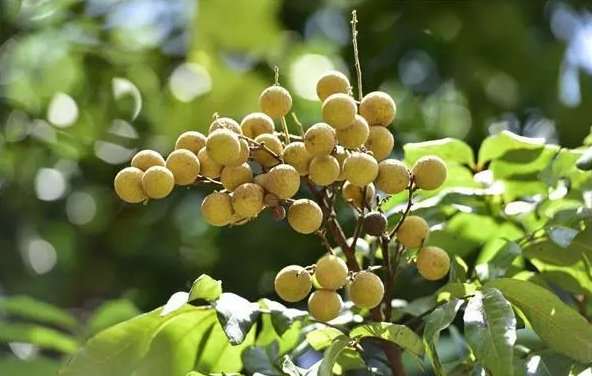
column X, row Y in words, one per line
column 324, row 305
column 360, row 169
column 243, row 155
column 225, row 123
column 191, row 140
column 305, row 216
column 393, row 176
column 216, row 209
column 331, row 272
column 260, row 180
column 429, row 172
column 278, row 213
column 295, row 155
column 223, row 145
column 355, row 135
column 324, row 169
column 283, row 180
column 256, row 123
column 271, row 200
column 414, row 231
column 433, row 263
column 128, row 185
column 355, row 194
column 158, row 182
column 378, row 108
column 184, row 165
column 247, row 200
column 375, row 223
column 366, row 290
column 320, row 139
column 208, row 168
column 144, row 159
column 275, row 101
column 380, row 142
column 339, row 110
column 340, row 153
column 274, row 144
column 233, row 176
column 292, row 283
column 332, row 82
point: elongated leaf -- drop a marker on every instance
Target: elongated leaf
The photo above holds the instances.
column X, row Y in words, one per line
column 547, row 363
column 320, row 339
column 398, row 334
column 13, row 366
column 435, row 322
column 499, row 264
column 558, row 325
column 257, row 360
column 205, row 287
column 454, row 290
column 287, row 341
column 236, row 315
column 449, row 149
column 111, row 313
column 282, row 318
column 562, row 235
column 331, row 354
column 490, row 329
column 32, row 309
column 497, row 145
column 38, row 335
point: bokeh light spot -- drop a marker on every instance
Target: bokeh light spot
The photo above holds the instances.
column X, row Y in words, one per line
column 81, row 208
column 17, row 126
column 112, row 153
column 62, row 111
column 50, row 184
column 306, row 71
column 40, row 255
column 189, row 81
column 122, row 87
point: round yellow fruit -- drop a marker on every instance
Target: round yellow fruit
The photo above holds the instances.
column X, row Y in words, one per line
column 393, row 176
column 208, row 168
column 293, row 283
column 216, row 209
column 320, row 139
column 256, row 123
column 324, row 170
column 356, row 194
column 331, row 272
column 144, row 159
column 380, row 142
column 433, row 263
column 273, row 143
column 429, row 172
column 324, row 305
column 340, row 153
column 366, row 290
column 128, row 185
column 225, row 123
column 414, row 231
column 260, row 180
column 355, row 135
column 360, row 169
column 332, row 82
column 184, row 165
column 247, row 200
column 305, row 216
column 339, row 110
column 378, row 108
column 191, row 140
column 295, row 155
column 283, row 180
column 233, row 176
column 223, row 146
column 242, row 156
column 158, row 182
column 275, row 101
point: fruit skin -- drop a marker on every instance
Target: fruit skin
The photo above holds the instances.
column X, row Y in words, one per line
column 223, row 146
column 233, row 176
column 184, row 165
column 380, row 142
column 355, row 135
column 283, row 180
column 331, row 272
column 360, row 169
column 320, row 139
column 257, row 123
column 216, row 209
column 429, row 172
column 225, row 123
column 339, row 110
column 378, row 108
column 144, row 159
column 209, row 168
column 158, row 182
column 324, row 305
column 305, row 216
column 292, row 283
column 393, row 176
column 433, row 263
column 355, row 193
column 275, row 101
column 340, row 154
column 260, row 179
column 295, row 155
column 375, row 223
column 332, row 82
column 413, row 232
column 247, row 200
column 274, row 144
column 191, row 140
column 324, row 169
column 243, row 154
column 366, row 290
column 128, row 185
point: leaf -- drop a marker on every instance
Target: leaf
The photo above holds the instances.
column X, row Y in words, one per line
column 584, row 163
column 257, row 359
column 283, row 318
column 206, row 288
column 458, row 269
column 289, row 367
column 499, row 144
column 490, row 330
column 39, row 366
column 268, row 334
column 454, row 290
column 559, row 326
column 176, row 301
column 38, row 335
column 499, row 263
column 29, row 308
column 449, row 149
column 322, row 338
column 348, row 360
column 562, row 236
column 331, row 354
column 547, row 363
column 236, row 315
column 111, row 313
column 398, row 334
column 435, row 322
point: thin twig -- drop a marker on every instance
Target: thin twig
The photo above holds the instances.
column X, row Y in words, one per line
column 322, row 233
column 298, row 124
column 262, row 146
column 276, row 74
column 410, row 191
column 354, row 24
column 388, row 278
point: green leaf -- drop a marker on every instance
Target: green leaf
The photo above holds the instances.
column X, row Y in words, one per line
column 31, row 309
column 331, row 354
column 175, row 302
column 449, row 149
column 559, row 326
column 499, row 263
column 236, row 315
column 398, row 334
column 490, row 329
column 584, row 163
column 547, row 363
column 38, row 335
column 39, row 366
column 290, row 368
column 111, row 313
column 322, row 338
column 562, row 235
column 287, row 341
column 499, row 144
column 282, row 318
column 206, row 288
column 258, row 360
column 454, row 290
column 458, row 269
column 435, row 322
column 348, row 360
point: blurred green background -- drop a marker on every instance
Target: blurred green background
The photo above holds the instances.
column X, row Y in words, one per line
column 86, row 84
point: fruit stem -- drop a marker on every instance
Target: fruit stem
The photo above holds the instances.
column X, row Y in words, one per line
column 298, row 124
column 285, row 129
column 322, row 233
column 262, row 146
column 388, row 278
column 276, row 75
column 411, row 189
column 354, row 24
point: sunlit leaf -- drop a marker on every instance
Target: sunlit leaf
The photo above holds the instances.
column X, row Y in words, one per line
column 449, row 149
column 455, row 290
column 38, row 335
column 282, row 318
column 584, row 163
column 28, row 308
column 320, row 339
column 287, row 341
column 206, row 288
column 499, row 264
column 499, row 144
column 398, row 334
column 435, row 322
column 348, row 360
column 331, row 354
column 176, row 301
column 110, row 313
column 547, row 363
column 562, row 236
column 237, row 316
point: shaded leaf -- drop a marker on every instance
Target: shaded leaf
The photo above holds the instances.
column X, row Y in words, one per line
column 268, row 334
column 290, row 368
column 257, row 359
column 38, row 335
column 206, row 288
column 547, row 363
column 282, row 317
column 458, row 269
column 435, row 322
column 236, row 315
column 398, row 334
column 322, row 338
column 111, row 313
column 331, row 354
column 499, row 263
column 28, row 308
column 499, row 144
column 449, row 149
column 562, row 235
column 584, row 163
